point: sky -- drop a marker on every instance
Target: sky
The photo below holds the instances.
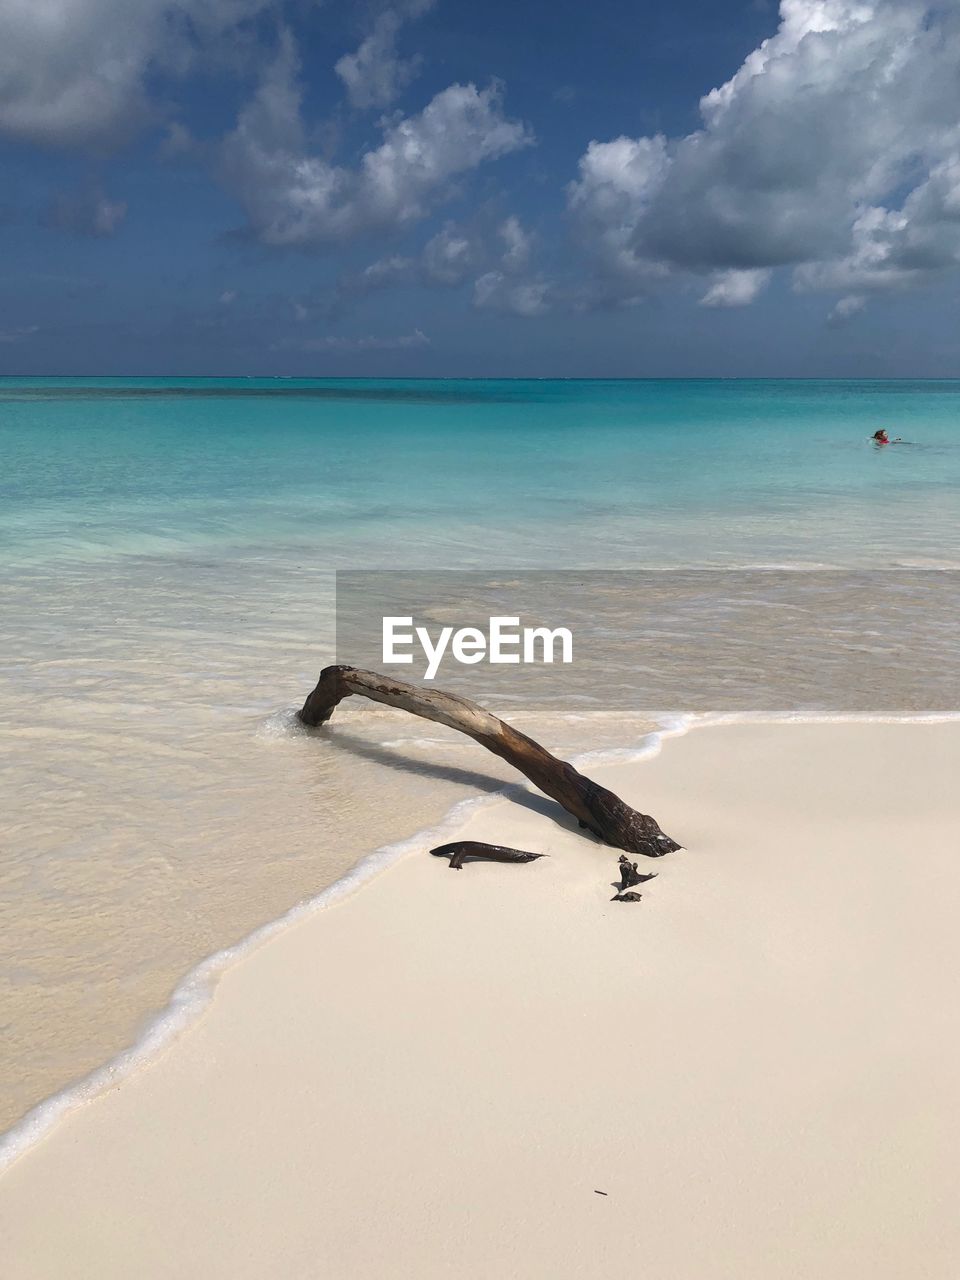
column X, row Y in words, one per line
column 407, row 188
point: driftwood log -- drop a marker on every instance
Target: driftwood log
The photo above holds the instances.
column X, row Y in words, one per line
column 460, row 851
column 596, row 808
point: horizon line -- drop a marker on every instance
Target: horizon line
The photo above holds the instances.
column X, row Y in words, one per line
column 493, row 377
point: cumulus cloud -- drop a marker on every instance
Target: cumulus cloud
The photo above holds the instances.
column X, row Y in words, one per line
column 495, row 291
column 297, row 198
column 87, row 212
column 616, row 182
column 448, row 257
column 446, row 260
column 495, row 259
column 385, row 273
column 834, row 150
column 507, row 288
column 518, row 243
column 735, row 288
column 75, row 72
column 846, row 309
column 376, row 75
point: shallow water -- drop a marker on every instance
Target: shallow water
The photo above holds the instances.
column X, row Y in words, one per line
column 167, row 600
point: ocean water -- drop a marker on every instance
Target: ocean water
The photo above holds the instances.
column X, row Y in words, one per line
column 168, row 555
column 476, row 472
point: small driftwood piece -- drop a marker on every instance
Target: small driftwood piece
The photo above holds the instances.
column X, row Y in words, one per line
column 461, row 851
column 596, row 808
column 629, row 875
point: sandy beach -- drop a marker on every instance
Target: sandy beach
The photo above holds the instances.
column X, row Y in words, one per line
column 756, row 1065
column 368, row 373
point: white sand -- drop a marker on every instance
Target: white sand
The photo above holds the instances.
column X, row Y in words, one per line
column 759, row 1063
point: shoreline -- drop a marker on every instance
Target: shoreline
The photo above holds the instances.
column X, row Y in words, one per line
column 196, row 995
column 197, row 988
column 446, row 1072
column 195, row 991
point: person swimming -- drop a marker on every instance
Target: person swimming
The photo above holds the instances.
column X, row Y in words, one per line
column 881, row 437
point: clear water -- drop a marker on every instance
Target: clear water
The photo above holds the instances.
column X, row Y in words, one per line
column 166, row 598
column 599, row 473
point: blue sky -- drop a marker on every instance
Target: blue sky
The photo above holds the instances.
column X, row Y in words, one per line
column 436, row 187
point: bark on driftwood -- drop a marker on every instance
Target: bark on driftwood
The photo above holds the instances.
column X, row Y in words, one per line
column 596, row 808
column 461, row 851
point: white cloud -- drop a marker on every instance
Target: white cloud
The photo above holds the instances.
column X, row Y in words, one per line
column 453, row 256
column 735, row 288
column 496, row 291
column 75, row 72
column 870, row 261
column 293, row 197
column 834, row 150
column 384, row 273
column 376, row 75
column 447, row 257
column 506, row 288
column 518, row 243
column 846, row 308
column 446, row 260
column 616, row 183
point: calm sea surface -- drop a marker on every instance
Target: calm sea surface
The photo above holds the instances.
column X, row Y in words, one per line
column 167, row 596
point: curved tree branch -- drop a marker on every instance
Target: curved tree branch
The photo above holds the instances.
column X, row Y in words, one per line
column 596, row 808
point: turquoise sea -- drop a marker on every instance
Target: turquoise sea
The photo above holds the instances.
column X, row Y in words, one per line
column 564, row 472
column 167, row 592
